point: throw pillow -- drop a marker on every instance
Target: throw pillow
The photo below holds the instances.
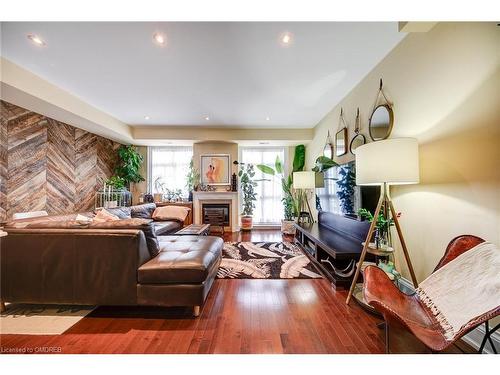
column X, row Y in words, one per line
column 121, row 212
column 103, row 215
column 178, row 213
column 142, row 211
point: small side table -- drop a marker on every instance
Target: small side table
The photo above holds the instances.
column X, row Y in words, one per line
column 194, row 230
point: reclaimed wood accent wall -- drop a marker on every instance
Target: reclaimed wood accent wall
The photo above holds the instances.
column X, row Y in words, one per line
column 49, row 165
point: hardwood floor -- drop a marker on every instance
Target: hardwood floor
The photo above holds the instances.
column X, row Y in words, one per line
column 239, row 316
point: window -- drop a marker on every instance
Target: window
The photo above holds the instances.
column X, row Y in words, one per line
column 169, row 165
column 328, row 195
column 268, row 207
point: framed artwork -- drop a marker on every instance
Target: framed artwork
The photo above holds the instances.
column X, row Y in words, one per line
column 215, row 169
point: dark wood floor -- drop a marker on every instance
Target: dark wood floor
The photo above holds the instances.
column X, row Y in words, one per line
column 239, row 316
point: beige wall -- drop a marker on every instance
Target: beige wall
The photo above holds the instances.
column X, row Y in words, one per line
column 445, row 88
column 207, row 148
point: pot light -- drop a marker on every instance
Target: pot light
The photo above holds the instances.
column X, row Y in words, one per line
column 268, row 118
column 147, row 117
column 160, row 39
column 286, row 39
column 207, row 118
column 36, row 39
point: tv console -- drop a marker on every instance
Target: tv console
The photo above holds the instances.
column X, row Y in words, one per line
column 334, row 245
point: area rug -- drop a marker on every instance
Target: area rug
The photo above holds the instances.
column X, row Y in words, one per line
column 265, row 260
column 40, row 319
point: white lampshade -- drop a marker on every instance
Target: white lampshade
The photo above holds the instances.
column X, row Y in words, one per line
column 304, row 180
column 394, row 161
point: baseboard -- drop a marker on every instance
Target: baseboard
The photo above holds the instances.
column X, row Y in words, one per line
column 473, row 338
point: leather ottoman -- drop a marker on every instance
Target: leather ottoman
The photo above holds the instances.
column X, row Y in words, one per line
column 182, row 273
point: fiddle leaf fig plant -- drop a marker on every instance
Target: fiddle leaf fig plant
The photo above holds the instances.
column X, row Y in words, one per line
column 247, row 185
column 129, row 164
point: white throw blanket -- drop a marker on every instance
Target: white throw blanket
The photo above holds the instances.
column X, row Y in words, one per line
column 463, row 289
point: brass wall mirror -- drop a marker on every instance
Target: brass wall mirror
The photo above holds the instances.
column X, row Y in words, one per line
column 358, row 139
column 341, row 142
column 328, row 149
column 381, row 119
column 341, row 137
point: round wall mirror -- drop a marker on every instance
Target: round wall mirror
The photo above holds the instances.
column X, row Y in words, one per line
column 381, row 122
column 358, row 140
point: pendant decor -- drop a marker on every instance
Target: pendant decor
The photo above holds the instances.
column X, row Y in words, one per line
column 341, row 136
column 358, row 139
column 382, row 117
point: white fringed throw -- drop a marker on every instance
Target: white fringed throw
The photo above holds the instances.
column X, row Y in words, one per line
column 465, row 288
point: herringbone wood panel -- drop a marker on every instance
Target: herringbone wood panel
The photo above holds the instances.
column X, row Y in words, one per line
column 49, row 165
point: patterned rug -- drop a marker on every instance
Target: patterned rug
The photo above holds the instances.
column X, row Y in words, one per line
column 41, row 319
column 265, row 260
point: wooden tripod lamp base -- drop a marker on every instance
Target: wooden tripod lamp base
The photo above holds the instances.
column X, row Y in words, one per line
column 387, row 162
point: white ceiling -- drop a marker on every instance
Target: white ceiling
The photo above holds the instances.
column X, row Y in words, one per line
column 236, row 73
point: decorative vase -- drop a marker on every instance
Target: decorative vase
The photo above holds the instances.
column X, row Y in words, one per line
column 288, row 226
column 190, row 197
column 246, row 222
column 158, row 197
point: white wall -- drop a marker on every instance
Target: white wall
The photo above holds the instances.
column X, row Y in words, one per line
column 445, row 88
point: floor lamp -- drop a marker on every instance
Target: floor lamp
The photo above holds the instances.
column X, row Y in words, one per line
column 385, row 163
column 302, row 182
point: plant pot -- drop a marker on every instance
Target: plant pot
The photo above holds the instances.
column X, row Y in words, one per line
column 288, row 226
column 246, row 222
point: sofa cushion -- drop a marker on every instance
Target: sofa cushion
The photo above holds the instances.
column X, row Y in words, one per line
column 142, row 211
column 121, row 212
column 178, row 213
column 145, row 225
column 182, row 259
column 163, row 228
column 104, row 215
column 24, row 223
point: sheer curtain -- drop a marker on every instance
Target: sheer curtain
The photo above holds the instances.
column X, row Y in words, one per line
column 170, row 165
column 328, row 195
column 268, row 207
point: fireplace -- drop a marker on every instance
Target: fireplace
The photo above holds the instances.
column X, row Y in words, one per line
column 216, row 199
column 218, row 211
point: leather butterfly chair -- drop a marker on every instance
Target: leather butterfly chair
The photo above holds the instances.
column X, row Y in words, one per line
column 409, row 313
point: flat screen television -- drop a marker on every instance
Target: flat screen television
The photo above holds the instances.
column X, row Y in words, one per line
column 341, row 196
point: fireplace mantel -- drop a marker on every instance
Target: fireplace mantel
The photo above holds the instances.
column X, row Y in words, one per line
column 213, row 197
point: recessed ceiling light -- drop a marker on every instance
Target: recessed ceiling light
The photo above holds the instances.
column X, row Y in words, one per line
column 263, row 143
column 267, row 118
column 286, row 39
column 160, row 39
column 146, row 117
column 207, row 118
column 36, row 39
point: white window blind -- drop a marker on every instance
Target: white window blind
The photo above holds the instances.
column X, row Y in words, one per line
column 268, row 207
column 170, row 165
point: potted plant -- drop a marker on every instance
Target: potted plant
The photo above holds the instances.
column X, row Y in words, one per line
column 382, row 227
column 192, row 180
column 292, row 200
column 161, row 190
column 129, row 164
column 248, row 185
column 290, row 203
column 116, row 184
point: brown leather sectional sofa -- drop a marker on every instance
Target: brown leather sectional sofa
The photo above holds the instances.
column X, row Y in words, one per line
column 58, row 261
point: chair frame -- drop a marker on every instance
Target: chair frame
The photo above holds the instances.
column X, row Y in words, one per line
column 409, row 312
